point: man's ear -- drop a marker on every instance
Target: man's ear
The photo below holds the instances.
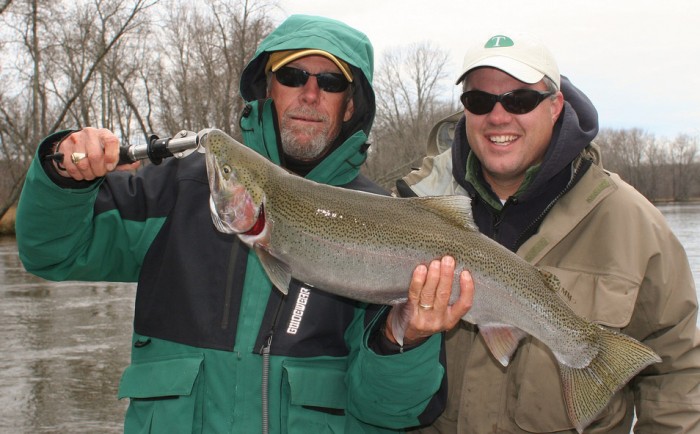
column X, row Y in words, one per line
column 557, row 107
column 349, row 110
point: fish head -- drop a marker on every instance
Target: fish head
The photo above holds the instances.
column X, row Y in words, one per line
column 236, row 198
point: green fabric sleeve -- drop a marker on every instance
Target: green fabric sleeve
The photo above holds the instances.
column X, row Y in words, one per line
column 60, row 238
column 394, row 390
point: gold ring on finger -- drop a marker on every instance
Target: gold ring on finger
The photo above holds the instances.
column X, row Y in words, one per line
column 425, row 306
column 77, row 156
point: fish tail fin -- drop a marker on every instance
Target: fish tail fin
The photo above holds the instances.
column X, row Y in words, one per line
column 588, row 390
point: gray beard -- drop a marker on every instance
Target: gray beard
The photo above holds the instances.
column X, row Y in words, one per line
column 303, row 151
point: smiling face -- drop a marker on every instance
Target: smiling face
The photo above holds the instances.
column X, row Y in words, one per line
column 508, row 144
column 310, row 118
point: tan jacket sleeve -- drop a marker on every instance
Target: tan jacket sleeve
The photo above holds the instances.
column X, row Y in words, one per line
column 667, row 394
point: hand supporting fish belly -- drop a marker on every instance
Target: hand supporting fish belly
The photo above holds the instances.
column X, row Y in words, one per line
column 365, row 247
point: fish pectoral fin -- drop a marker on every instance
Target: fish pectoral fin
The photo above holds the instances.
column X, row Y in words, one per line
column 278, row 271
column 502, row 340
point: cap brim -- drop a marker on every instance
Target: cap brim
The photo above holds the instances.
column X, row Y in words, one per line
column 313, row 52
column 514, row 68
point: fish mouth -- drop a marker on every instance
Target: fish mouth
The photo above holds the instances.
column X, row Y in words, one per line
column 232, row 208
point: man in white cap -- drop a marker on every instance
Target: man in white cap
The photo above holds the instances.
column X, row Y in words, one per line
column 523, row 152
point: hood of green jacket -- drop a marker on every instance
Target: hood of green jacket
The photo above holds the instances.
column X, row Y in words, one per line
column 305, row 31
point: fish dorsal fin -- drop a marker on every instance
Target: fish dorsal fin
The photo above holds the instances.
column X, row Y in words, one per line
column 278, row 271
column 502, row 340
column 455, row 208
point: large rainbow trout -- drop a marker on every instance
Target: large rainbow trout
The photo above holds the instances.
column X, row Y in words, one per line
column 364, row 247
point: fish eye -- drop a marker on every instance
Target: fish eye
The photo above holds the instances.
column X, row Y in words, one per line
column 227, row 169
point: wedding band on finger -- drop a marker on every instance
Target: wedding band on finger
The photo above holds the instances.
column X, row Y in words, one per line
column 425, row 306
column 77, row 156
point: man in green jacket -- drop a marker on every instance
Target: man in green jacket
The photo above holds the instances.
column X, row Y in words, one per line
column 523, row 152
column 215, row 348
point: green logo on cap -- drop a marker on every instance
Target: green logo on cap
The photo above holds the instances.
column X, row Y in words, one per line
column 499, row 41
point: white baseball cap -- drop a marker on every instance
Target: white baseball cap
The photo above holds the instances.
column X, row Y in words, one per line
column 521, row 56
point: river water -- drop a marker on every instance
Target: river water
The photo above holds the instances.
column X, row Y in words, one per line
column 64, row 345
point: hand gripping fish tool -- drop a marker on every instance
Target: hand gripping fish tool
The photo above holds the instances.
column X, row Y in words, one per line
column 180, row 145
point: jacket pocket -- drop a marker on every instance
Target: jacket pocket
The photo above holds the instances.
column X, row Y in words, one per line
column 314, row 396
column 163, row 395
column 539, row 406
column 608, row 300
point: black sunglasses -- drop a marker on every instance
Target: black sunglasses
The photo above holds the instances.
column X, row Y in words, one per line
column 518, row 102
column 327, row 81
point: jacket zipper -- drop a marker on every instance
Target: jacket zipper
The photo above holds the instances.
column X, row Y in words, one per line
column 265, row 353
column 535, row 223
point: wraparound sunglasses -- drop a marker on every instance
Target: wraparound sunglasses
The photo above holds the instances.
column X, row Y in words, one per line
column 519, row 101
column 328, row 81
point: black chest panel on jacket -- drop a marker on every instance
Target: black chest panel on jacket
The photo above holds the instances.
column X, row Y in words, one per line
column 191, row 283
column 307, row 322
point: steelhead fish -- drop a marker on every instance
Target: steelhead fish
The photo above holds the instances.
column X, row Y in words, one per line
column 365, row 246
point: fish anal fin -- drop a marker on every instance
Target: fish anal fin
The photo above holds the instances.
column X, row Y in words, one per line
column 502, row 340
column 278, row 271
column 588, row 390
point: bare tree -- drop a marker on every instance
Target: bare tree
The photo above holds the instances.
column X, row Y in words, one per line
column 210, row 48
column 683, row 153
column 59, row 49
column 408, row 91
column 625, row 152
column 653, row 180
column 108, row 63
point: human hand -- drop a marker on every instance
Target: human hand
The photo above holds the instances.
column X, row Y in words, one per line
column 99, row 148
column 427, row 310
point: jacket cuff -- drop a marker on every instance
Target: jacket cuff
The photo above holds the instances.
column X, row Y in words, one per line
column 47, row 147
column 381, row 345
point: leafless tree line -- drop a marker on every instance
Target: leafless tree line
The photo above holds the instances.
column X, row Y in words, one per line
column 661, row 169
column 140, row 67
column 133, row 66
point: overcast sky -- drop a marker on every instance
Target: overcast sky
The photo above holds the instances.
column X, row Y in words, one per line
column 637, row 60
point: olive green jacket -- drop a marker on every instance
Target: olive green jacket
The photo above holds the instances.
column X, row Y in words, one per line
column 624, row 269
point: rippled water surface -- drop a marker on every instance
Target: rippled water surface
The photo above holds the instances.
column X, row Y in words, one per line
column 64, row 345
